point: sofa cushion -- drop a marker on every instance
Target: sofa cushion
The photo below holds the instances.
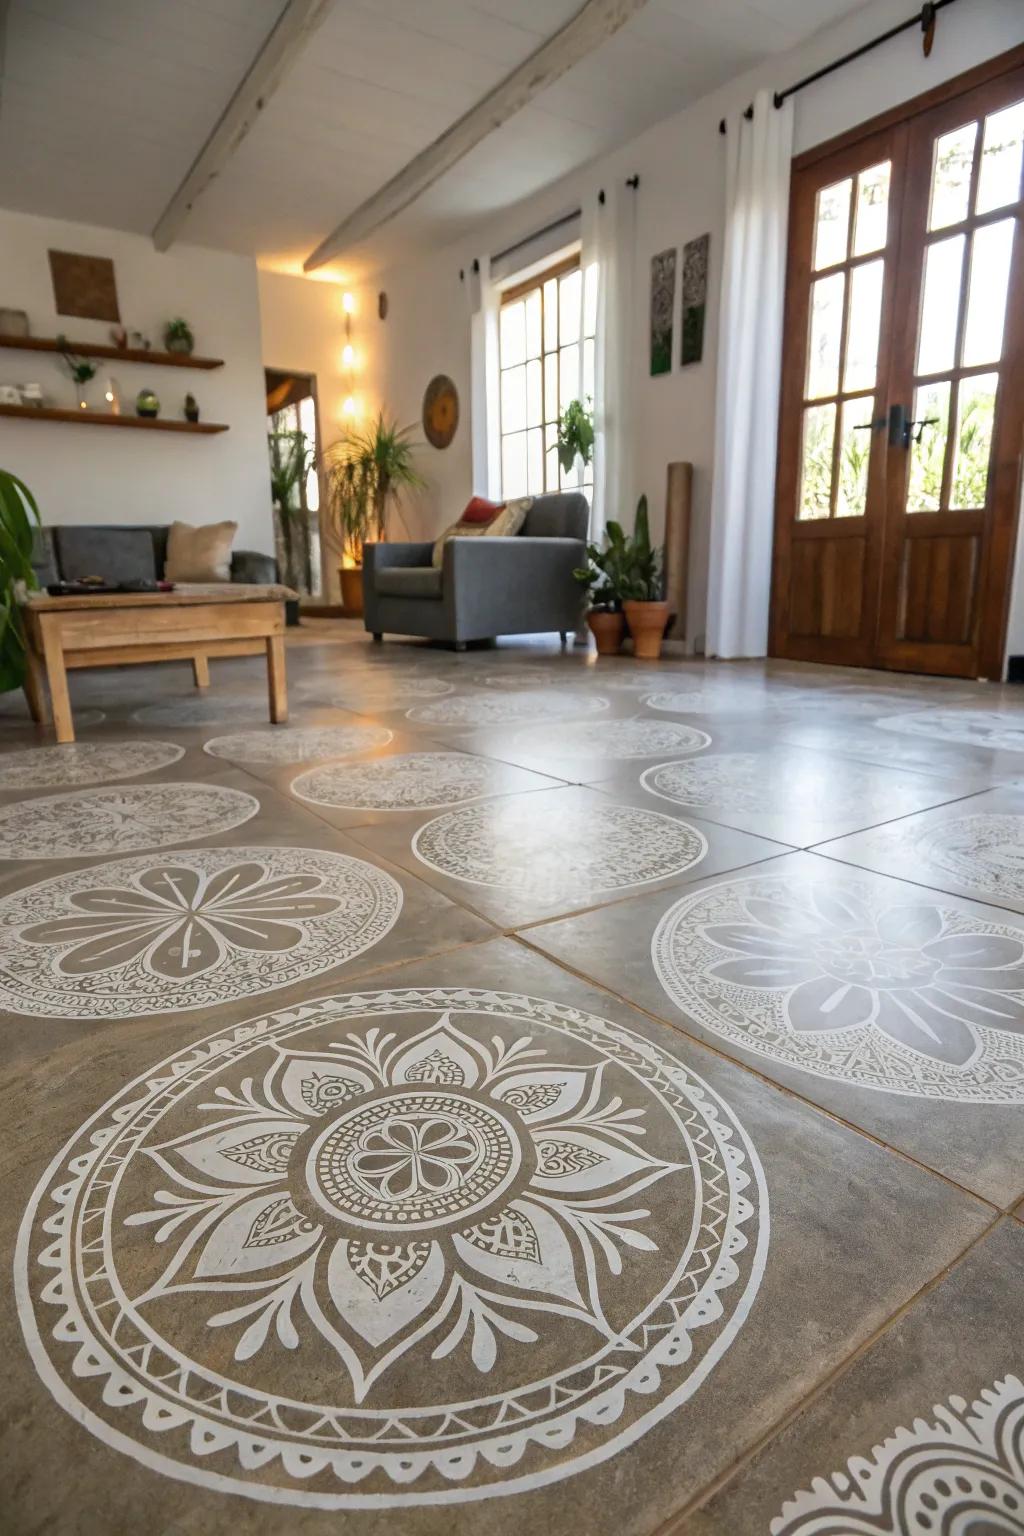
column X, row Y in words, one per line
column 44, row 557
column 504, row 525
column 560, row 515
column 199, row 554
column 409, row 581
column 115, row 554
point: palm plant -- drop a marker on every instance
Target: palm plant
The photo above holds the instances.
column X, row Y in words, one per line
column 290, row 463
column 367, row 473
column 18, row 514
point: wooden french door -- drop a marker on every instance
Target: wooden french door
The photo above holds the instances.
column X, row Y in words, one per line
column 902, row 407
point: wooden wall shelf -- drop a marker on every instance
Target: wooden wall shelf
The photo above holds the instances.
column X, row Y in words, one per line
column 117, row 354
column 102, row 419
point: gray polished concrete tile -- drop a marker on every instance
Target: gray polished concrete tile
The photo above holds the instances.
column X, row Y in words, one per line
column 864, row 742
column 684, row 1252
column 917, row 1435
column 898, row 1009
column 520, row 858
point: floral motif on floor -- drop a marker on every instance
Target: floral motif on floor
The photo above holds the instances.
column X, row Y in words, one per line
column 87, row 822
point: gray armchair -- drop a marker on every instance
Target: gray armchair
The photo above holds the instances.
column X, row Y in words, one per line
column 486, row 586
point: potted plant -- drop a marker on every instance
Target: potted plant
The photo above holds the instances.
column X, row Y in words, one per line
column 575, row 435
column 643, row 592
column 290, row 463
column 178, row 336
column 191, row 408
column 366, row 473
column 602, row 578
column 18, row 515
column 81, row 371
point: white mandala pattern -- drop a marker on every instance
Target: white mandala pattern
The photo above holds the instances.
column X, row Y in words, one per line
column 989, row 728
column 217, row 710
column 394, row 1248
column 86, row 822
column 411, row 781
column 375, row 692
column 556, row 851
column 849, row 983
column 704, row 703
column 495, row 708
column 85, row 762
column 963, row 1473
column 618, row 739
column 756, row 783
column 984, row 852
column 297, row 744
column 188, row 929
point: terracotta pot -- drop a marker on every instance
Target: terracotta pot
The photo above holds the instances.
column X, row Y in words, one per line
column 351, row 577
column 647, row 623
column 608, row 630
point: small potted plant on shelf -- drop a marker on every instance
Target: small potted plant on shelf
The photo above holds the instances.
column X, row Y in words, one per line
column 80, row 369
column 178, row 336
column 602, row 578
column 575, row 436
column 191, row 409
column 19, row 516
column 365, row 473
column 643, row 591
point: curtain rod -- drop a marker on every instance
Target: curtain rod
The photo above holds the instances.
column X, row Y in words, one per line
column 536, row 234
column 924, row 18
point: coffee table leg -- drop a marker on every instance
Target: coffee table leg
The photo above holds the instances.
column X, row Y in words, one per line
column 201, row 669
column 276, row 682
column 35, row 688
column 57, row 678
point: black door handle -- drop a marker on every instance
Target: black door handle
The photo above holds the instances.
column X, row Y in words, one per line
column 901, row 427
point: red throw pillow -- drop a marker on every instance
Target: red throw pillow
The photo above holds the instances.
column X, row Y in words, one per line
column 480, row 510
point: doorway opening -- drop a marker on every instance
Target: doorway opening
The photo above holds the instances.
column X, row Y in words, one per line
column 293, row 444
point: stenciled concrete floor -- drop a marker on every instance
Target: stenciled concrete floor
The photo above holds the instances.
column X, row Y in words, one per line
column 524, row 1093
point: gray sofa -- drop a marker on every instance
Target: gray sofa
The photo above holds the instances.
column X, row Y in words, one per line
column 137, row 553
column 486, row 586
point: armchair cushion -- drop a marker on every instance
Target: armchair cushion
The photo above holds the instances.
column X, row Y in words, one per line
column 506, row 522
column 409, row 581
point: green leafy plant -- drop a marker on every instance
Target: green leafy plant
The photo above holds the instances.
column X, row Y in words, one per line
column 291, row 460
column 19, row 515
column 606, row 572
column 644, row 580
column 80, row 369
column 575, row 435
column 366, row 473
column 179, row 331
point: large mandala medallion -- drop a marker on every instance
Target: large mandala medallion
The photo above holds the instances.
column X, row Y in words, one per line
column 990, row 728
column 849, row 983
column 97, row 821
column 483, row 708
column 617, row 739
column 962, row 1475
column 713, row 703
column 188, row 929
column 984, row 852
column 558, row 851
column 371, row 693
column 393, row 1248
column 409, row 781
column 297, row 744
column 85, row 762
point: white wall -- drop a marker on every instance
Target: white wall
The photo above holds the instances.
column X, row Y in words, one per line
column 681, row 167
column 107, row 475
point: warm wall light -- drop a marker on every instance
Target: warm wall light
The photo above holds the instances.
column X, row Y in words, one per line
column 348, row 406
column 348, row 303
column 348, row 355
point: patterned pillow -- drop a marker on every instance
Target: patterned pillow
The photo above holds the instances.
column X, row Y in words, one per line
column 503, row 526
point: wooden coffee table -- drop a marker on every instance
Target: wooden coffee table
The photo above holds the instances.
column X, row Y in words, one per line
column 115, row 629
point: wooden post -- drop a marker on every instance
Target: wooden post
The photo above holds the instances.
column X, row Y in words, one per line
column 678, row 501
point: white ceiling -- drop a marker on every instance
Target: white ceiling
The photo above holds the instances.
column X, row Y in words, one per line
column 105, row 104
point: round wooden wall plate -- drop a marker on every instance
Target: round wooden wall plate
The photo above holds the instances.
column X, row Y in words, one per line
column 440, row 411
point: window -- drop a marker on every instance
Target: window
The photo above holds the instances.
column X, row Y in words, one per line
column 546, row 358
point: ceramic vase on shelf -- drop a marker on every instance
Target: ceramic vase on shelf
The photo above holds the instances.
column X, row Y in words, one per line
column 147, row 404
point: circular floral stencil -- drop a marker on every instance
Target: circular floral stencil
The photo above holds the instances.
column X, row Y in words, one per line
column 203, row 711
column 85, row 762
column 761, row 784
column 536, row 676
column 413, row 781
column 503, row 708
column 990, row 728
column 983, row 852
column 851, row 983
column 714, row 703
column 393, row 1248
column 374, row 692
column 617, row 739
column 558, row 850
column 297, row 744
column 188, row 929
column 94, row 821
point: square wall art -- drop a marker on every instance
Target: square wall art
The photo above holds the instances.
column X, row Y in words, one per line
column 695, row 297
column 663, row 306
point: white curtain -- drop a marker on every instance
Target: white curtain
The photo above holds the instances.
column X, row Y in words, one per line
column 609, row 239
column 749, row 364
column 482, row 300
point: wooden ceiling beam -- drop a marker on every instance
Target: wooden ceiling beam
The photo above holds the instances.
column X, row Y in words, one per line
column 284, row 43
column 597, row 21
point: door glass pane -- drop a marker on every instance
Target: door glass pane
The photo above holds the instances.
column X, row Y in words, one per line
column 862, row 327
column 832, row 224
column 534, row 398
column 513, row 465
column 986, row 304
column 951, row 176
column 937, row 339
column 533, row 323
column 999, row 178
column 513, row 399
column 513, row 334
column 826, row 335
column 871, row 220
column 551, row 314
column 550, row 386
column 534, row 462
column 816, row 462
column 854, row 453
column 568, row 376
column 570, row 297
column 976, row 410
column 924, row 493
